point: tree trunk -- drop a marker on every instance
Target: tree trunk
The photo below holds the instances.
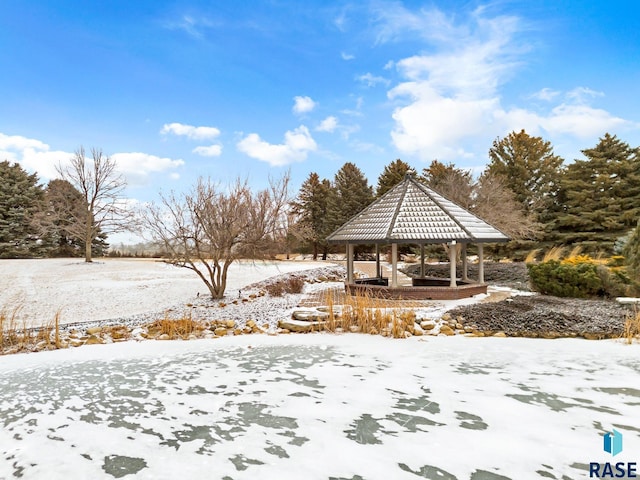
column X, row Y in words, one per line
column 88, row 241
column 315, row 250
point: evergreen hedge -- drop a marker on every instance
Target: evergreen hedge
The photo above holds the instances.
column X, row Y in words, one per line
column 579, row 280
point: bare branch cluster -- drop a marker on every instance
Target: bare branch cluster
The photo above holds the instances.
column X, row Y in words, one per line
column 102, row 188
column 209, row 228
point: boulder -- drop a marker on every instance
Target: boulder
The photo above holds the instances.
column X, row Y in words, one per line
column 301, row 326
column 94, row 330
column 309, row 315
column 427, row 324
column 94, row 340
column 447, row 330
column 220, row 331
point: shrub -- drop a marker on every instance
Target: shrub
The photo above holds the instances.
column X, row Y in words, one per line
column 578, row 280
column 275, row 289
column 291, row 284
column 294, row 285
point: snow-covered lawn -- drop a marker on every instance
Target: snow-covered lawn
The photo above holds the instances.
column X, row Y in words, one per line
column 110, row 288
column 319, row 406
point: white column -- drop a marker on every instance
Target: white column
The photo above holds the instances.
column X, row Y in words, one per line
column 394, row 265
column 422, row 260
column 349, row 263
column 378, row 272
column 465, row 269
column 452, row 261
column 480, row 264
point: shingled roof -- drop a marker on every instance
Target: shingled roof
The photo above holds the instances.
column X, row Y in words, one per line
column 413, row 213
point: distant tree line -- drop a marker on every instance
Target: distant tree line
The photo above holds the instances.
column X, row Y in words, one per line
column 525, row 190
column 67, row 217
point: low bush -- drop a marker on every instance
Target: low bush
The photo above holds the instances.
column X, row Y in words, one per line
column 553, row 277
column 291, row 284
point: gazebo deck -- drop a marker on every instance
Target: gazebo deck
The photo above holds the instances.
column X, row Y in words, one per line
column 440, row 291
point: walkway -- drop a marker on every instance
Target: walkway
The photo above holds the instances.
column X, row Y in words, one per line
column 369, row 270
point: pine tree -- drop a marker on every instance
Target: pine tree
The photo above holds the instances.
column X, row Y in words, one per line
column 20, row 197
column 632, row 253
column 393, row 174
column 530, row 169
column 63, row 209
column 312, row 206
column 600, row 195
column 352, row 194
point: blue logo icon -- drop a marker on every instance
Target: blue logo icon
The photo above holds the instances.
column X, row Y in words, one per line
column 613, row 442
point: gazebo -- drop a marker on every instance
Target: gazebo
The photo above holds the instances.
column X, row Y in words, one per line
column 412, row 213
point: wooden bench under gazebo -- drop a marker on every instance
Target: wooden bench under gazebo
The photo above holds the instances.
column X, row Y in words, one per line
column 412, row 213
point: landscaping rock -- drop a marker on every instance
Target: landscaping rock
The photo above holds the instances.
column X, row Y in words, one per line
column 541, row 316
column 94, row 330
column 301, row 326
column 447, row 330
column 309, row 315
column 94, row 340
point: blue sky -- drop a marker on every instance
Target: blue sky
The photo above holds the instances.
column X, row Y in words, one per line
column 175, row 90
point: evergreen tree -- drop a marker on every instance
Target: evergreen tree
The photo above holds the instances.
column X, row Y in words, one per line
column 600, row 195
column 530, row 169
column 456, row 184
column 352, row 194
column 64, row 208
column 20, row 197
column 311, row 206
column 393, row 174
column 632, row 254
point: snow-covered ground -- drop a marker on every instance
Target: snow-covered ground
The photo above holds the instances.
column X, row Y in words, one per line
column 319, row 406
column 109, row 288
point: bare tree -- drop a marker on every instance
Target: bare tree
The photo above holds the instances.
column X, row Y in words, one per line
column 101, row 188
column 495, row 203
column 209, row 228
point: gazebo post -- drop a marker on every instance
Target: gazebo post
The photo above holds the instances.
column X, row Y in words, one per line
column 378, row 271
column 465, row 270
column 480, row 264
column 394, row 265
column 422, row 260
column 349, row 263
column 452, row 261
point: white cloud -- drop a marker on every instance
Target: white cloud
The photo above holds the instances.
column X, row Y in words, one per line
column 297, row 144
column 347, row 56
column 17, row 142
column 141, row 164
column 193, row 26
column 449, row 103
column 581, row 121
column 303, row 105
column 36, row 156
column 189, row 131
column 329, row 124
column 546, row 94
column 583, row 94
column 33, row 155
column 371, row 80
column 210, row 151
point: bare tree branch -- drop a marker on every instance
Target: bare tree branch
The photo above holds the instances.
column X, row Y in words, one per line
column 102, row 190
column 209, row 228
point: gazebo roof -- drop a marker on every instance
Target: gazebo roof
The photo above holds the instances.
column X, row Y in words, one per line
column 413, row 213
